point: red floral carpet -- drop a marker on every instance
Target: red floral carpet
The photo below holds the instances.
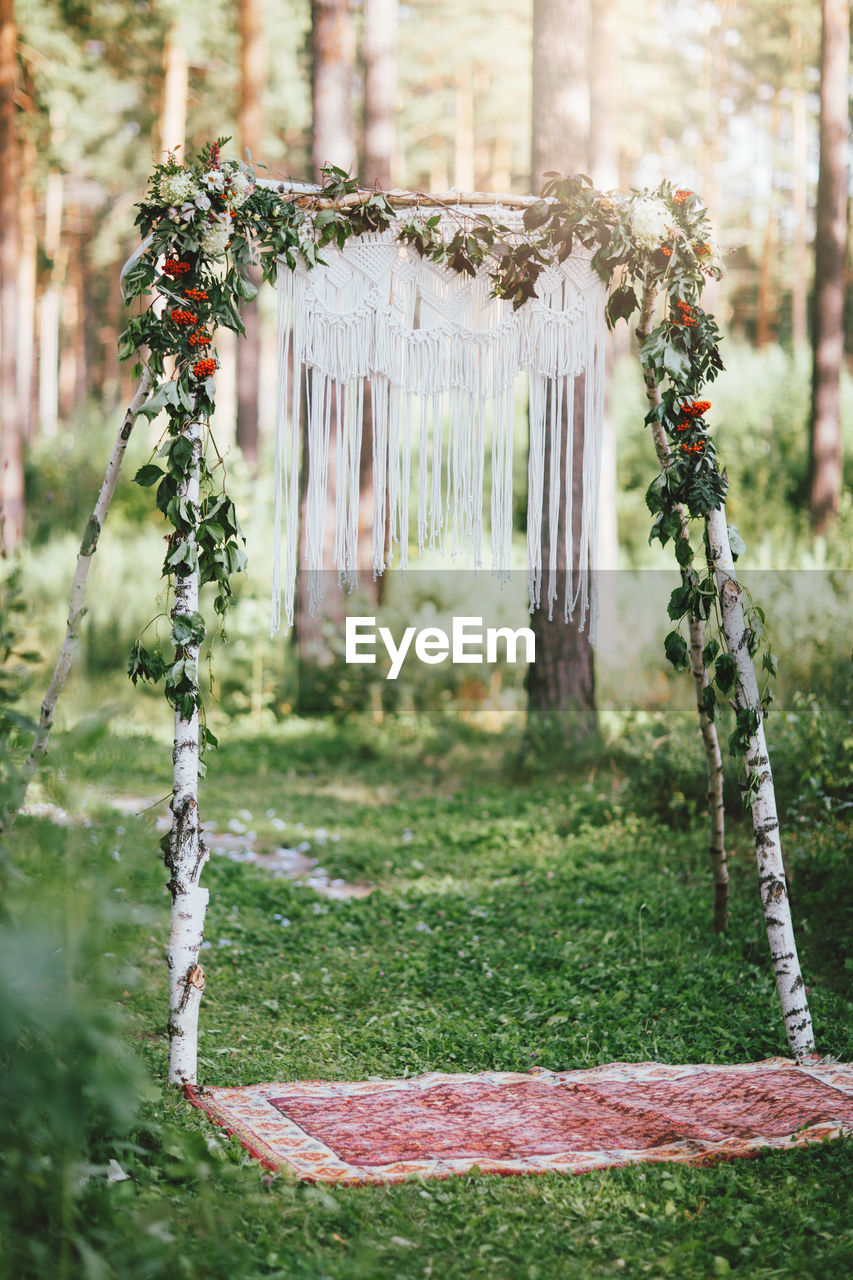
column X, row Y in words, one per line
column 505, row 1122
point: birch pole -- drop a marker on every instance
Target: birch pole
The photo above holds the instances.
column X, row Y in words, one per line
column 710, row 739
column 765, row 819
column 76, row 607
column 186, row 853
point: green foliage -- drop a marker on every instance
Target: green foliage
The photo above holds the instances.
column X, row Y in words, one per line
column 16, row 727
column 554, row 919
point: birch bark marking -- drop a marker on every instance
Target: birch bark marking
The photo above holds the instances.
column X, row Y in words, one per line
column 187, row 853
column 710, row 740
column 76, row 606
column 765, row 819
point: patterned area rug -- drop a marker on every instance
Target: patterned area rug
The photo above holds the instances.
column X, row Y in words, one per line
column 504, row 1122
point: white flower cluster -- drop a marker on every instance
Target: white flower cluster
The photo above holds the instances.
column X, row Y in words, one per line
column 214, row 238
column 239, row 189
column 650, row 222
column 175, row 188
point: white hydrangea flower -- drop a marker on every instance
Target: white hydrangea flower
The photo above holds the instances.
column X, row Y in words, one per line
column 214, row 238
column 214, row 180
column 239, row 190
column 175, row 188
column 650, row 222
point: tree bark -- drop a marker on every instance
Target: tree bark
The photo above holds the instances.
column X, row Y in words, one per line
column 332, row 142
column 253, row 74
column 561, row 682
column 830, row 249
column 11, row 422
column 800, row 283
column 333, row 46
column 765, row 821
column 605, row 69
column 173, row 110
column 76, row 604
column 27, row 283
column 187, row 852
column 707, row 727
column 49, row 308
column 380, row 91
column 561, row 106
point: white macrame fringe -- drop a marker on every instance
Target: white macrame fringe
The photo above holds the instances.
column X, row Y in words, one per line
column 442, row 357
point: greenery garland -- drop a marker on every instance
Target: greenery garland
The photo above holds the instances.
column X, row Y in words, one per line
column 206, row 222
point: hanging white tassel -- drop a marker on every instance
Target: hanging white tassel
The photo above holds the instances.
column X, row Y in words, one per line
column 443, row 357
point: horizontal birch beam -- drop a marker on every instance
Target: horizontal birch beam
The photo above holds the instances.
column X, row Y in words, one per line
column 443, row 199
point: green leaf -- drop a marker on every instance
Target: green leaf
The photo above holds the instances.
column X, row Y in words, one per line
column 708, row 701
column 188, row 629
column 148, row 475
column 166, row 394
column 736, row 542
column 676, row 363
column 725, row 672
column 709, row 653
column 621, row 304
column 683, row 552
column 675, row 648
column 770, row 663
column 679, row 602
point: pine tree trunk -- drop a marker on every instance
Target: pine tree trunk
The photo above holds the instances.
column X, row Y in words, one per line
column 561, row 682
column 253, row 74
column 380, row 91
column 187, row 852
column 49, row 307
column 11, row 422
column 333, row 46
column 560, row 87
column 380, row 144
column 765, row 820
column 173, row 110
column 800, row 282
column 605, row 68
column 830, row 249
column 707, row 727
column 27, row 281
column 766, row 310
column 333, row 142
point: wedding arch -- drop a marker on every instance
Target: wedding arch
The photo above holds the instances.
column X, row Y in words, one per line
column 438, row 302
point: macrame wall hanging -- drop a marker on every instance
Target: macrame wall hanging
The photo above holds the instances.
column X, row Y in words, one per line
column 442, row 358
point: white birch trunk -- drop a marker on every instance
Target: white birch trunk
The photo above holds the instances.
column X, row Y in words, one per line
column 710, row 739
column 76, row 605
column 187, row 852
column 765, row 819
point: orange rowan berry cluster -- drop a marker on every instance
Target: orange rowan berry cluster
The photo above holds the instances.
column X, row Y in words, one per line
column 685, row 315
column 701, row 249
column 204, row 368
column 681, row 196
column 201, row 338
column 666, row 251
column 197, row 295
column 174, row 267
column 696, row 408
column 179, row 316
column 697, row 447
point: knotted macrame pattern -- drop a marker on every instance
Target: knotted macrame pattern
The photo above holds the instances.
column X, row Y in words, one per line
column 443, row 359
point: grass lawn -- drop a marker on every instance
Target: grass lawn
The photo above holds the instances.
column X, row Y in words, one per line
column 518, row 919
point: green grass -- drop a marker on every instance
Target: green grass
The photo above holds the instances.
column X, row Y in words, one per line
column 519, row 919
